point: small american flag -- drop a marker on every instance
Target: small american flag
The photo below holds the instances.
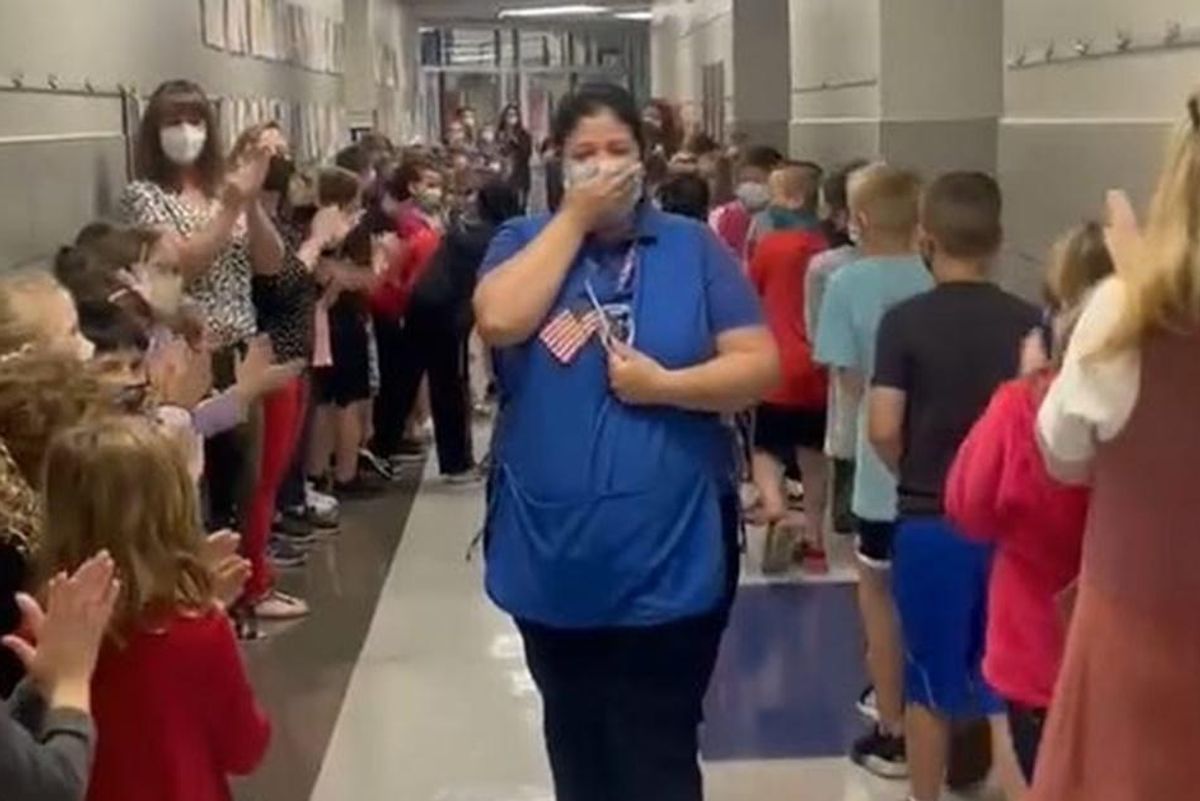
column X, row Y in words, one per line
column 568, row 332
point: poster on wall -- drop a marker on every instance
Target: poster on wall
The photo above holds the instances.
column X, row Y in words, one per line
column 212, row 23
column 237, row 23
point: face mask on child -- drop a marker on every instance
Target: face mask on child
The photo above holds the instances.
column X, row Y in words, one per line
column 429, row 200
column 183, row 143
column 753, row 196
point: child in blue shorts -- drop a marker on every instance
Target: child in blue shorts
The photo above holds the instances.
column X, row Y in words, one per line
column 939, row 358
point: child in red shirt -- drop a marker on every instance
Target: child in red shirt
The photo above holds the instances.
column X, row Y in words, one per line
column 174, row 711
column 791, row 421
column 999, row 491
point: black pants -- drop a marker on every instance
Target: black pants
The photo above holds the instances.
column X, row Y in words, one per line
column 13, row 575
column 231, row 457
column 1026, row 725
column 391, row 344
column 428, row 346
column 623, row 706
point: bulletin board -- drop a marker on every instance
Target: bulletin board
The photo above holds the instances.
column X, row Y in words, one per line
column 275, row 30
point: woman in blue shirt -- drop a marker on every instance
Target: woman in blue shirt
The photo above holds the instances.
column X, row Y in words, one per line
column 621, row 335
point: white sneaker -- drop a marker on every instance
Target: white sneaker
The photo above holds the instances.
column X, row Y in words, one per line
column 321, row 502
column 280, row 606
column 465, row 479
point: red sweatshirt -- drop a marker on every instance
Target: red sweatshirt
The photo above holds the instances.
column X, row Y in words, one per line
column 777, row 270
column 998, row 491
column 175, row 715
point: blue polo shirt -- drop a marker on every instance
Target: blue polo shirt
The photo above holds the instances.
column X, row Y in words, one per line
column 600, row 513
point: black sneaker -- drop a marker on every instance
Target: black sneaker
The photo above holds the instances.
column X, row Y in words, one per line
column 296, row 529
column 360, row 487
column 284, row 555
column 881, row 754
column 409, row 452
column 868, row 704
column 368, row 460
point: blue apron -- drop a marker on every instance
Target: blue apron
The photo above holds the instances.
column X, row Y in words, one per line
column 599, row 513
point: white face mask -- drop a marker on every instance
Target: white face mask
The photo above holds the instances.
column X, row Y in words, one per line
column 183, row 143
column 579, row 172
column 753, row 195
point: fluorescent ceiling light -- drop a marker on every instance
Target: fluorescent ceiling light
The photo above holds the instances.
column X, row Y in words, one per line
column 553, row 11
column 635, row 16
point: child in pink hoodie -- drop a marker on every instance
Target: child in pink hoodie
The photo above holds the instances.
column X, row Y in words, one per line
column 999, row 491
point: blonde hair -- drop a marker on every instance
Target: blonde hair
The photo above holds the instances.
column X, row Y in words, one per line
column 889, row 197
column 120, row 484
column 798, row 184
column 1163, row 287
column 42, row 393
column 1078, row 261
column 19, row 324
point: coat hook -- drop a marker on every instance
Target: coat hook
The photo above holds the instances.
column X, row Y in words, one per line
column 1048, row 53
column 1018, row 59
column 18, row 79
column 1174, row 32
column 89, row 86
column 52, row 81
column 1082, row 47
column 1124, row 40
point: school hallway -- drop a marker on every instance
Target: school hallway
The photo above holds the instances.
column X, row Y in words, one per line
column 408, row 683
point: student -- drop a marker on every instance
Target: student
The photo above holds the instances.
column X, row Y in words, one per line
column 939, row 358
column 841, row 431
column 731, row 221
column 791, row 420
column 440, row 318
column 772, row 219
column 173, row 706
column 685, row 195
column 414, row 201
column 47, row 738
column 37, row 311
column 999, row 492
column 1124, row 724
column 883, row 206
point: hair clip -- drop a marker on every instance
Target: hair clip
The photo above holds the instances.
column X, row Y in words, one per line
column 1194, row 111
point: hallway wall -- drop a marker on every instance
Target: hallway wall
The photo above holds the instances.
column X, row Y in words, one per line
column 685, row 37
column 1074, row 128
column 835, row 69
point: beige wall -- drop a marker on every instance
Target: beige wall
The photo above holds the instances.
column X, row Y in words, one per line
column 684, row 38
column 1073, row 129
column 834, row 43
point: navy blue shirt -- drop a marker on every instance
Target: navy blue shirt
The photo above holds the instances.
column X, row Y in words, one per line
column 601, row 513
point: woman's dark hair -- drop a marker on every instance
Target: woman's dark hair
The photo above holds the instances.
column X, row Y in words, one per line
column 502, row 126
column 497, row 202
column 151, row 163
column 591, row 99
column 671, row 135
column 687, row 195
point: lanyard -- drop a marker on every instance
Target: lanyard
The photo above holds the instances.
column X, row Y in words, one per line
column 624, row 283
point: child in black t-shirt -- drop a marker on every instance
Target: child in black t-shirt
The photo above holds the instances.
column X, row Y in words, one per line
column 940, row 357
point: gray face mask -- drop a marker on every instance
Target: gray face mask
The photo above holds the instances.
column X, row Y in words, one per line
column 753, row 195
